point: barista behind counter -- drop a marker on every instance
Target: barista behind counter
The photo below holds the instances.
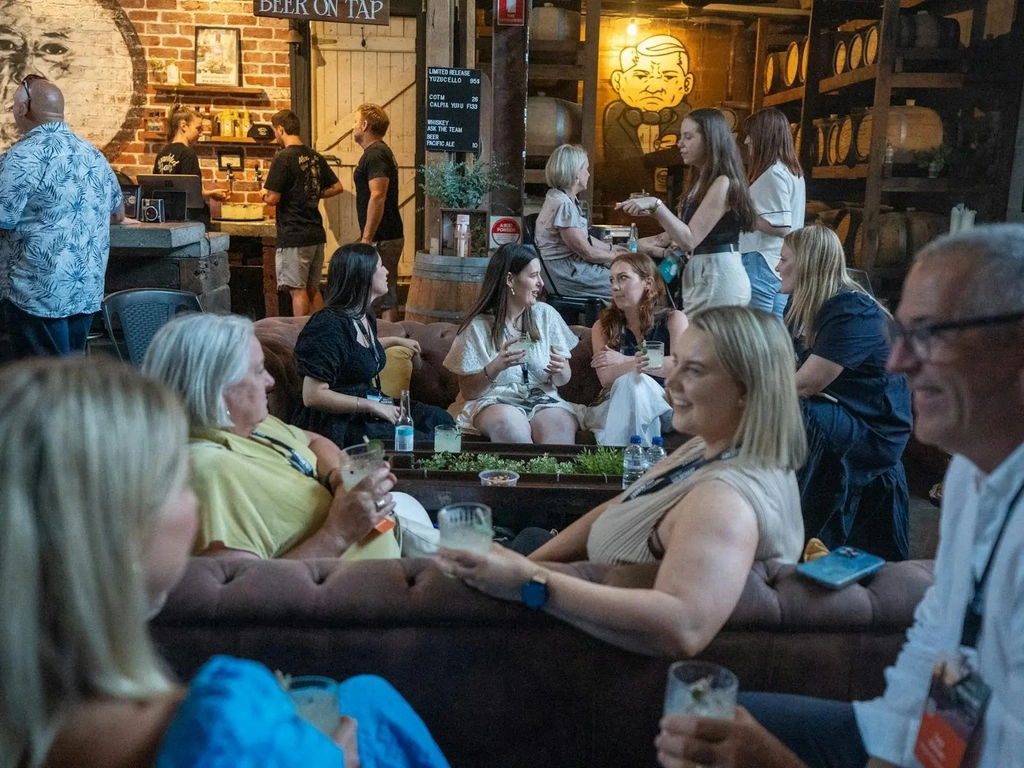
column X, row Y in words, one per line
column 179, row 158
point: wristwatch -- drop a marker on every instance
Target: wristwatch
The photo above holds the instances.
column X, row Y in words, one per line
column 534, row 592
column 656, row 206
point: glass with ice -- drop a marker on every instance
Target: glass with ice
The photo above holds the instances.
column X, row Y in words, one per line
column 466, row 525
column 358, row 461
column 447, row 439
column 701, row 688
column 316, row 700
column 521, row 344
column 655, row 351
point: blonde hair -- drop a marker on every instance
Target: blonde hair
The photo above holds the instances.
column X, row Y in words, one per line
column 181, row 116
column 91, row 454
column 819, row 264
column 376, row 118
column 564, row 166
column 757, row 353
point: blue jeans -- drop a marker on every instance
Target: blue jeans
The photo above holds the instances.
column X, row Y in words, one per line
column 764, row 285
column 820, row 732
column 33, row 336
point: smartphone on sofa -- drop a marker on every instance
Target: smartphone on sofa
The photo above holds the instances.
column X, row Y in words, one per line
column 841, row 568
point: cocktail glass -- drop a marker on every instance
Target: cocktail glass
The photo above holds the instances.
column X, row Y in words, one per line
column 522, row 344
column 316, row 700
column 467, row 526
column 701, row 688
column 358, row 461
column 447, row 439
column 655, row 353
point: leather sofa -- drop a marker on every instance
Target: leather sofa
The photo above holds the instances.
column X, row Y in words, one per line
column 502, row 686
column 431, row 382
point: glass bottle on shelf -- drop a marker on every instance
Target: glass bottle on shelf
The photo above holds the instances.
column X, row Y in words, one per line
column 887, row 160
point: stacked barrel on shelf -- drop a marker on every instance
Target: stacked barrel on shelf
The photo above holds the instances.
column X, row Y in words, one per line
column 846, row 140
column 854, row 50
column 786, row 69
column 895, row 235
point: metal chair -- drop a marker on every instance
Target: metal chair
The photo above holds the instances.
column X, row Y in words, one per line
column 141, row 312
column 571, row 308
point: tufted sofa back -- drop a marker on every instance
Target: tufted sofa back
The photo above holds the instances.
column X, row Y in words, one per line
column 431, row 382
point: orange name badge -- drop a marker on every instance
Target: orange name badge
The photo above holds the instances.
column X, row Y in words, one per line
column 385, row 525
column 957, row 698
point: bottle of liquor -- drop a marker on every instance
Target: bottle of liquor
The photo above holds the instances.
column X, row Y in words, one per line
column 404, row 427
column 634, row 239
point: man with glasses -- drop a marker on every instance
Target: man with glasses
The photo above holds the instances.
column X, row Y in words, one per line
column 958, row 337
column 58, row 197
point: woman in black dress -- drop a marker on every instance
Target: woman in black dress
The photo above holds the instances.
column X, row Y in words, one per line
column 340, row 357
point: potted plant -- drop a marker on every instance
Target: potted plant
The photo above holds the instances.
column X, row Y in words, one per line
column 459, row 188
column 934, row 160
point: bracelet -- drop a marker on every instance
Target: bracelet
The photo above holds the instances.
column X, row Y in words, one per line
column 488, row 375
column 359, row 404
column 656, row 206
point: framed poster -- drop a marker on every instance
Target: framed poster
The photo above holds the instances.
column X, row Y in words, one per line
column 218, row 56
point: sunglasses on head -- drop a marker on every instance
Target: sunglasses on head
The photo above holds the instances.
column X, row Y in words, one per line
column 28, row 93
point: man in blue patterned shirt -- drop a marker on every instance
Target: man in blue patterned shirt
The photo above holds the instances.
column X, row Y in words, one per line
column 58, row 197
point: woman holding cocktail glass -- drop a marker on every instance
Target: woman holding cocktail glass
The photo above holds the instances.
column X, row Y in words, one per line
column 633, row 342
column 340, row 358
column 265, row 488
column 98, row 520
column 511, row 354
column 715, row 208
column 703, row 516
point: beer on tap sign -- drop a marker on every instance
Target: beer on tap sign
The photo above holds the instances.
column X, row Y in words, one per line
column 348, row 11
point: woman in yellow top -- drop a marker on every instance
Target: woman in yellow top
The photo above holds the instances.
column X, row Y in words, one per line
column 265, row 488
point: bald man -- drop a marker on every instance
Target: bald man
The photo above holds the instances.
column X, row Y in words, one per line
column 58, row 197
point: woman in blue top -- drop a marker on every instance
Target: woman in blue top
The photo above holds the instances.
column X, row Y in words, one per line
column 632, row 400
column 98, row 520
column 853, row 488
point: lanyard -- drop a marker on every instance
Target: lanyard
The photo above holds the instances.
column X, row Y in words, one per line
column 673, row 476
column 976, row 605
column 371, row 340
column 296, row 460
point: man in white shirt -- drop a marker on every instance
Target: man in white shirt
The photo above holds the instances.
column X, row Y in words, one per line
column 958, row 337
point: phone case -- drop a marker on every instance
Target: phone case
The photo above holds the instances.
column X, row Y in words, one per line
column 841, row 568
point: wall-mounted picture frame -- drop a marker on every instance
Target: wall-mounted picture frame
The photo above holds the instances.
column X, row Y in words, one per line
column 218, row 56
column 230, row 159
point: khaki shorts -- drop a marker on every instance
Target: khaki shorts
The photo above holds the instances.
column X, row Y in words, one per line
column 300, row 267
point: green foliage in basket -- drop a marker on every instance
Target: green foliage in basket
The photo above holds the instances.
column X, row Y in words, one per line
column 457, row 185
column 601, row 461
column 936, row 157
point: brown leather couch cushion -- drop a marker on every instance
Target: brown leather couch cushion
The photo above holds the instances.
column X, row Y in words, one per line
column 500, row 685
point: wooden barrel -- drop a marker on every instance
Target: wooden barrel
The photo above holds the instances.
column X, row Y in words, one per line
column 862, row 138
column 798, row 136
column 910, row 129
column 855, row 57
column 870, row 45
column 791, row 74
column 846, row 149
column 774, row 67
column 444, row 288
column 847, row 225
column 550, row 23
column 928, row 30
column 832, row 144
column 732, row 119
column 551, row 122
column 805, row 54
column 819, row 147
column 840, row 56
column 901, row 235
column 818, row 211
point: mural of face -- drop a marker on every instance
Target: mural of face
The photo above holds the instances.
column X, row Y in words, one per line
column 89, row 50
column 653, row 74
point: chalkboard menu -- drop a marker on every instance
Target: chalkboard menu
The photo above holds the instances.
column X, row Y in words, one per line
column 453, row 110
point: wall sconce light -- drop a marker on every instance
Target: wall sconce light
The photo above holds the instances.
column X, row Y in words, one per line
column 631, row 29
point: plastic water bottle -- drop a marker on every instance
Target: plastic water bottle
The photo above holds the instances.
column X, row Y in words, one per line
column 404, row 427
column 632, row 461
column 634, row 239
column 654, row 453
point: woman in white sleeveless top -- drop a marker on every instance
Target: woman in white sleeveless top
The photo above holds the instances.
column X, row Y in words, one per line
column 724, row 500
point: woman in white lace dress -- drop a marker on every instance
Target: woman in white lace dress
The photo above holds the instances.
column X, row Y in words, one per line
column 511, row 354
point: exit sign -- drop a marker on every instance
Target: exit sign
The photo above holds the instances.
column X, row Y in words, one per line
column 348, row 11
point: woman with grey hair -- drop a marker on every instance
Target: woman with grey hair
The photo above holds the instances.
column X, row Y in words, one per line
column 702, row 516
column 578, row 264
column 96, row 524
column 265, row 488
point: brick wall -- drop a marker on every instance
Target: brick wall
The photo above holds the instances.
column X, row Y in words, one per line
column 166, row 30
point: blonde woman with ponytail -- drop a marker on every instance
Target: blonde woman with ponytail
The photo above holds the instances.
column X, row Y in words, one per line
column 178, row 157
column 853, row 488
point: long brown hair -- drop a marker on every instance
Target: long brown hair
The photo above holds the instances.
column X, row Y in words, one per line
column 721, row 158
column 820, row 273
column 652, row 308
column 511, row 258
column 771, row 140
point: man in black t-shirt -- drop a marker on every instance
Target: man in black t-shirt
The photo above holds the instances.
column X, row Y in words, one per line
column 299, row 178
column 376, row 182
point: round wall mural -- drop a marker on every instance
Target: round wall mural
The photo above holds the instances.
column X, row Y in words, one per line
column 90, row 50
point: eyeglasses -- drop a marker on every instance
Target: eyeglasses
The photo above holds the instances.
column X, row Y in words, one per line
column 919, row 337
column 28, row 93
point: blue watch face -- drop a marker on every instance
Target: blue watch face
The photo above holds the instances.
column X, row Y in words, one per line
column 534, row 594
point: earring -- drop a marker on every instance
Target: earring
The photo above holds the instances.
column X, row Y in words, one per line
column 512, row 289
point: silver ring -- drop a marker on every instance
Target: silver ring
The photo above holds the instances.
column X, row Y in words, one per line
column 380, row 503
